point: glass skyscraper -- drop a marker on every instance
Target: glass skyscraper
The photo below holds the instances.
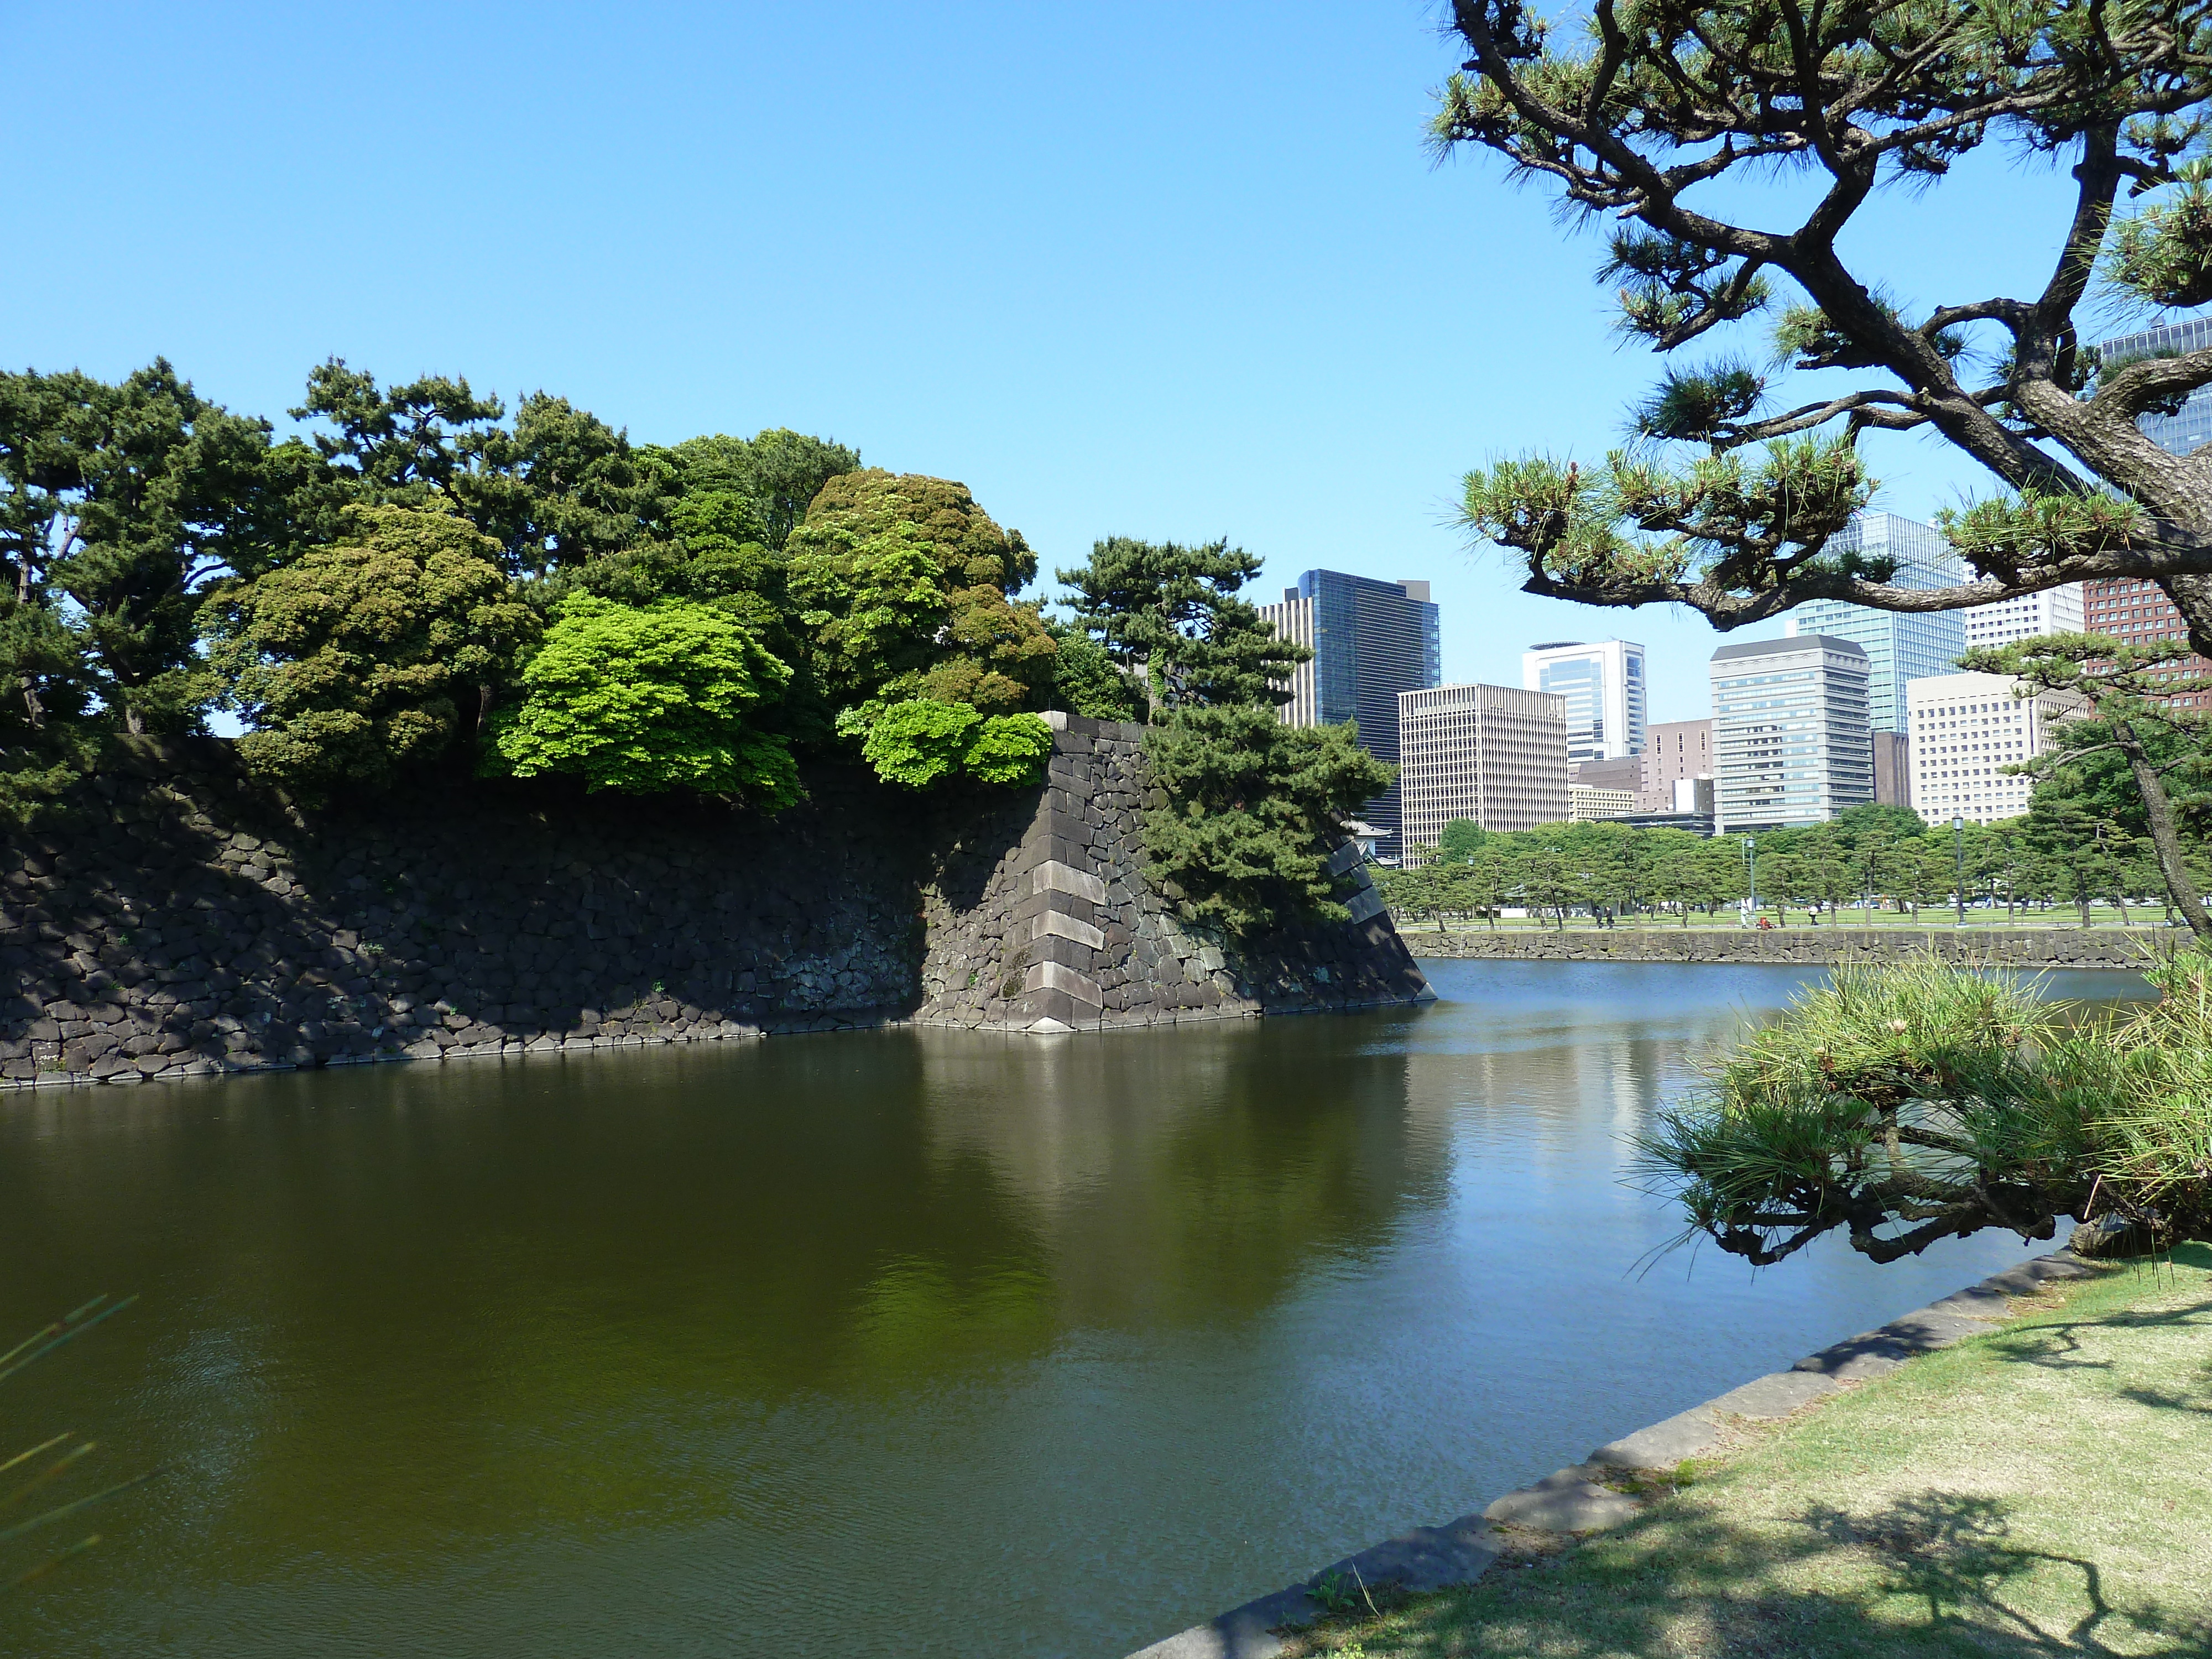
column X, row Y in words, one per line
column 1900, row 647
column 1371, row 640
column 2190, row 425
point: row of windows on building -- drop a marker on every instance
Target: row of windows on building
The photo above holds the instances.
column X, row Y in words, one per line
column 1851, row 705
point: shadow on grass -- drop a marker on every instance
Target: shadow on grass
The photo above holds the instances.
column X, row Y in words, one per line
column 1937, row 1573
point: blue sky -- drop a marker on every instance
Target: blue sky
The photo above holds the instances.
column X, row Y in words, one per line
column 1164, row 271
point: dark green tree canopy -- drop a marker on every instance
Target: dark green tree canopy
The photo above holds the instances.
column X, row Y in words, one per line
column 118, row 504
column 1664, row 120
column 2125, row 719
column 905, row 584
column 779, row 471
column 1254, row 808
column 372, row 657
column 1173, row 613
column 1461, row 840
column 1087, row 681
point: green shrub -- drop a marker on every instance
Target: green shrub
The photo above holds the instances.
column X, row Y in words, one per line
column 644, row 699
column 369, row 657
column 922, row 742
column 1908, row 1103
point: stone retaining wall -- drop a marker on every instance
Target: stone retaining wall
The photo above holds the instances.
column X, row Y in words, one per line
column 2056, row 947
column 1061, row 931
column 175, row 920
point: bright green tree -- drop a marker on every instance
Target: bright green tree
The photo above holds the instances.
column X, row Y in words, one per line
column 644, row 699
column 904, row 585
column 921, row 742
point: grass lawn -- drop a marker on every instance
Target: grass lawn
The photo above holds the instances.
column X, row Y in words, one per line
column 2147, row 919
column 2043, row 1490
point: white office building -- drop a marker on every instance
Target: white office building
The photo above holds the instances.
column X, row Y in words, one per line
column 1965, row 729
column 2025, row 616
column 1496, row 755
column 1603, row 684
column 1791, row 741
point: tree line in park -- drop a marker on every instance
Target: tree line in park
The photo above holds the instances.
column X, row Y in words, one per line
column 425, row 584
column 1870, row 860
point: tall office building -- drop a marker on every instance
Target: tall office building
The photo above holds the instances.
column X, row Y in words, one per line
column 1899, row 647
column 2024, row 616
column 1790, row 742
column 1604, row 686
column 1964, row 728
column 1371, row 641
column 1495, row 754
column 2181, row 432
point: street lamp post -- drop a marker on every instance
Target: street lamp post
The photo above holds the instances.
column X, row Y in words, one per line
column 1751, row 862
column 1959, row 857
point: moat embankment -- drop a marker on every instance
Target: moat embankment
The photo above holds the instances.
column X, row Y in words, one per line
column 173, row 919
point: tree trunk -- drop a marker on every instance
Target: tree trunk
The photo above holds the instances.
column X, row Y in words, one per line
column 2160, row 812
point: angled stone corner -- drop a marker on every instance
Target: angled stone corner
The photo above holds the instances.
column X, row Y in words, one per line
column 1063, row 932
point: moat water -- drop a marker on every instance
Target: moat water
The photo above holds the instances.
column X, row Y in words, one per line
column 888, row 1343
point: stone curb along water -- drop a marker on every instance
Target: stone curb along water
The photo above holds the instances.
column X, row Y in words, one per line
column 175, row 920
column 1580, row 1499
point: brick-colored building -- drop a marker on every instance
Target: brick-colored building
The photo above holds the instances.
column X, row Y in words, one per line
column 2132, row 609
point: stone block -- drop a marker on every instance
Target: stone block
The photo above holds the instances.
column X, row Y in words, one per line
column 1067, row 952
column 1365, row 905
column 1567, row 1501
column 1056, row 976
column 1426, row 1558
column 1776, row 1394
column 1055, row 877
column 1052, row 923
column 1663, row 1445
